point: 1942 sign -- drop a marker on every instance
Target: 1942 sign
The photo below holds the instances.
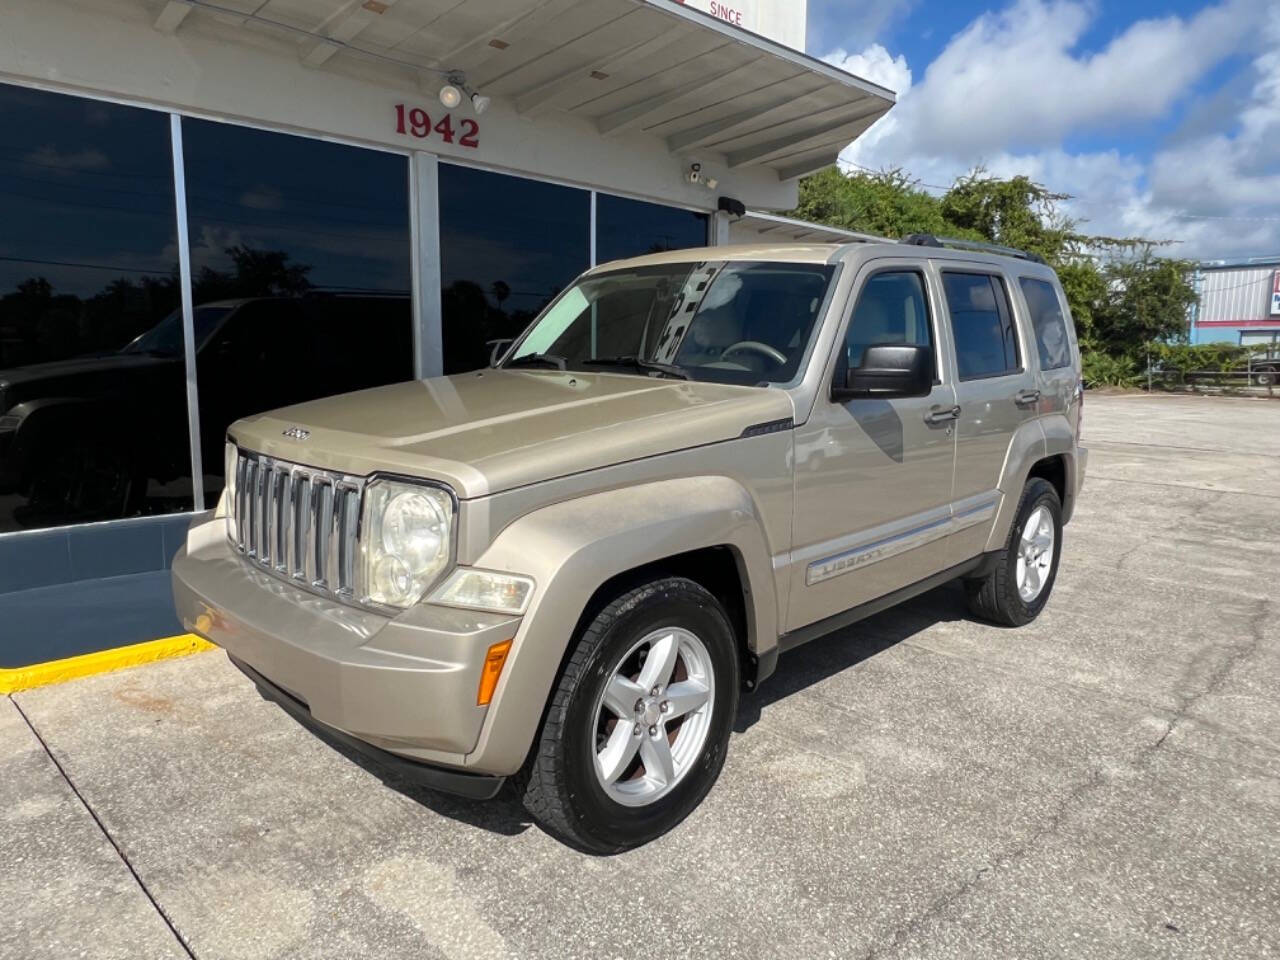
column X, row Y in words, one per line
column 416, row 122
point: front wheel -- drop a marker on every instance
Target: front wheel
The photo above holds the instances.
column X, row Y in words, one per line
column 639, row 721
column 1018, row 586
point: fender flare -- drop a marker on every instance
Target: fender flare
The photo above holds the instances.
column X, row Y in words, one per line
column 1060, row 440
column 571, row 548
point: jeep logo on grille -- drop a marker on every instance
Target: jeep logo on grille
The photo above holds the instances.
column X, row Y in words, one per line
column 297, row 433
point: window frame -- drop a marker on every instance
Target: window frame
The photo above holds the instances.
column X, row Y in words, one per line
column 1007, row 314
column 842, row 334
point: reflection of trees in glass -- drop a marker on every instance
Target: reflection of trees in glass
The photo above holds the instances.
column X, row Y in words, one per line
column 257, row 273
column 38, row 324
column 471, row 321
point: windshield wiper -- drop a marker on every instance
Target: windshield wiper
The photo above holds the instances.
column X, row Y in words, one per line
column 644, row 366
column 538, row 359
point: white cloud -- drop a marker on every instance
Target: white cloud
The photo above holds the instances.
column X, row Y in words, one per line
column 876, row 64
column 51, row 156
column 1008, row 91
column 1012, row 77
column 262, row 197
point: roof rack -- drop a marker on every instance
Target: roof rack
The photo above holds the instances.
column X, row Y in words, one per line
column 930, row 240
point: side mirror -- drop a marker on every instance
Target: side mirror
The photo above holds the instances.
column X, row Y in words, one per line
column 887, row 371
column 496, row 349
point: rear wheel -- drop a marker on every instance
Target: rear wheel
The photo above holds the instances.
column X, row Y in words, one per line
column 639, row 722
column 1019, row 584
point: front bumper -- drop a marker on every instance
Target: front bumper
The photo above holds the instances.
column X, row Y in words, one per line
column 477, row 786
column 406, row 684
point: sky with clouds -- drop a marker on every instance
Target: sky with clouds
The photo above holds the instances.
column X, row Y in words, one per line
column 1162, row 119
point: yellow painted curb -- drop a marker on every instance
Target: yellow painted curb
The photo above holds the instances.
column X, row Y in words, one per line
column 58, row 671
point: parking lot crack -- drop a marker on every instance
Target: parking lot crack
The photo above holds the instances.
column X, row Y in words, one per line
column 182, row 941
column 1217, row 675
column 939, row 904
column 1215, row 678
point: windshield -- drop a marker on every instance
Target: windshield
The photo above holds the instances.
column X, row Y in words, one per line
column 165, row 338
column 742, row 322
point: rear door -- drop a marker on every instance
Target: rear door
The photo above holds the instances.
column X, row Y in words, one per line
column 994, row 392
column 873, row 477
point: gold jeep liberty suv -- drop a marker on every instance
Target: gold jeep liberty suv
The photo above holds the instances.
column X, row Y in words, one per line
column 564, row 569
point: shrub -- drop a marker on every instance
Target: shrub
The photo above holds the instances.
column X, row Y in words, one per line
column 1186, row 358
column 1100, row 369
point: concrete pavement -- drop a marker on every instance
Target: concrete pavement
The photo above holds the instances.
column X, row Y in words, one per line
column 1102, row 783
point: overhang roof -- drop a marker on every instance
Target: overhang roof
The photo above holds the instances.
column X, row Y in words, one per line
column 651, row 66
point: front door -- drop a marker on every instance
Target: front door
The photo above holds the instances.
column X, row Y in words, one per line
column 873, row 477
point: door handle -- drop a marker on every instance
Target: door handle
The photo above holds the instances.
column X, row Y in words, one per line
column 941, row 415
column 1025, row 398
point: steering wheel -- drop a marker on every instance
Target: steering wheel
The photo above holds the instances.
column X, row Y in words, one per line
column 755, row 346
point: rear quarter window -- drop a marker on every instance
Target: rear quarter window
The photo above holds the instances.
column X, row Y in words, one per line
column 1049, row 322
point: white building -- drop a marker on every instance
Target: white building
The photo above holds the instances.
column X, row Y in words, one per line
column 202, row 202
column 1238, row 302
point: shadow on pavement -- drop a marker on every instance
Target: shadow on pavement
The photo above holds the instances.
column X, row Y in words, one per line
column 798, row 670
column 822, row 658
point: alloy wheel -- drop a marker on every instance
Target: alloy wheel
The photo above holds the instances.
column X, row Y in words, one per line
column 1035, row 554
column 652, row 719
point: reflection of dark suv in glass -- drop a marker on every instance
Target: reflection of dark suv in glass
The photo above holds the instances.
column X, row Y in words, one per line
column 101, row 436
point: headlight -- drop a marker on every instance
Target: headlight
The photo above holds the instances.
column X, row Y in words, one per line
column 474, row 589
column 406, row 542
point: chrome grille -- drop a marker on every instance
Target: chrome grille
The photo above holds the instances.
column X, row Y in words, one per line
column 300, row 523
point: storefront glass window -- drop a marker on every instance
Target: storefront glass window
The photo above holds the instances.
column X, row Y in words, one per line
column 93, row 417
column 629, row 228
column 508, row 245
column 301, row 272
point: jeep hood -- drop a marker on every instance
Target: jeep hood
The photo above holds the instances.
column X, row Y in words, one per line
column 493, row 430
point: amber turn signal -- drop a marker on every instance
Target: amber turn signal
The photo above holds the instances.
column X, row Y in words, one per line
column 491, row 671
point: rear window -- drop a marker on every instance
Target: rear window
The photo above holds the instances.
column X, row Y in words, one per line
column 982, row 324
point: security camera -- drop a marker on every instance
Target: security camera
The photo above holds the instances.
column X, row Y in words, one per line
column 695, row 173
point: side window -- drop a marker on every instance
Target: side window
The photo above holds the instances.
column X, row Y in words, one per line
column 1049, row 323
column 892, row 308
column 982, row 323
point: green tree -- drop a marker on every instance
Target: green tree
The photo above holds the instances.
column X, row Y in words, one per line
column 888, row 204
column 1147, row 299
column 1017, row 213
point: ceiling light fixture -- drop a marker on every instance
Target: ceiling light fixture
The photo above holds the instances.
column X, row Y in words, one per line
column 455, row 87
column 450, row 96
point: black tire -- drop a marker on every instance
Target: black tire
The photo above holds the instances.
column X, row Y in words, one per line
column 995, row 597
column 558, row 784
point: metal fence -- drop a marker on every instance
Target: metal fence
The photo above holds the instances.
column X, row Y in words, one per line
column 1252, row 379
